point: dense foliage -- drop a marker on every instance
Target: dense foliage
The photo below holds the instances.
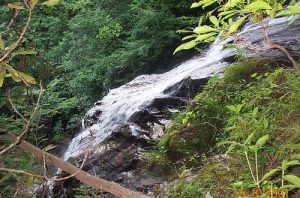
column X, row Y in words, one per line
column 251, row 101
column 79, row 50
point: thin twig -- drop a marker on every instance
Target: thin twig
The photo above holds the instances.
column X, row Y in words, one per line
column 27, row 123
column 81, row 166
column 20, row 171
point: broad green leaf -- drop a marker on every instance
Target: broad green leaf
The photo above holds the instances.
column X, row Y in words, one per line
column 226, row 13
column 231, row 108
column 270, row 173
column 214, row 20
column 293, row 180
column 50, row 3
column 200, row 3
column 25, row 52
column 230, row 148
column 261, row 141
column 204, row 29
column 266, row 123
column 17, row 5
column 286, row 164
column 235, row 26
column 254, row 148
column 249, row 138
column 254, row 112
column 26, row 78
column 292, row 146
column 208, row 3
column 49, row 147
column 203, row 37
column 256, row 6
column 296, row 156
column 2, row 75
column 14, row 74
column 291, row 10
column 186, row 46
column 189, row 37
column 1, row 44
column 32, row 3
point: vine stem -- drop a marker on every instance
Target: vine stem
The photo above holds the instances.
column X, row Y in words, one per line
column 249, row 165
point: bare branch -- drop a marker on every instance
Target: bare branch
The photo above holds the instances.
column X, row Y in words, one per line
column 20, row 171
column 27, row 123
column 19, row 40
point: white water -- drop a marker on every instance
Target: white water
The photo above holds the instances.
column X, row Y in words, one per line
column 122, row 102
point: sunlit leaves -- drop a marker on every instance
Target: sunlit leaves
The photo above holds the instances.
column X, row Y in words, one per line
column 32, row 3
column 214, row 20
column 291, row 10
column 293, row 180
column 16, row 75
column 231, row 14
column 256, row 6
column 204, row 29
column 2, row 75
column 17, row 5
column 1, row 44
column 235, row 26
column 50, row 3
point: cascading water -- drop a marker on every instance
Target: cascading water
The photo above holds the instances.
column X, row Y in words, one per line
column 118, row 107
column 121, row 103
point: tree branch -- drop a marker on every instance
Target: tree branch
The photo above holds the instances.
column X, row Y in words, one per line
column 82, row 176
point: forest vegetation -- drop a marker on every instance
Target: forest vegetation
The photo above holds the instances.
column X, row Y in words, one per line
column 75, row 51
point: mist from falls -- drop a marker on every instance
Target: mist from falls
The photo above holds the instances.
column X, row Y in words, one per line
column 121, row 103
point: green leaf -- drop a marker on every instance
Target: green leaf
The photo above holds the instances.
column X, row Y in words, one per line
column 14, row 74
column 203, row 37
column 1, row 44
column 270, row 173
column 214, row 20
column 254, row 112
column 235, row 26
column 291, row 10
column 261, row 141
column 249, row 138
column 204, row 29
column 200, row 3
column 32, row 3
column 186, row 46
column 254, row 148
column 50, row 3
column 256, row 6
column 293, row 180
column 231, row 108
column 25, row 52
column 296, row 156
column 2, row 76
column 26, row 78
column 189, row 37
column 49, row 147
column 17, row 5
column 286, row 164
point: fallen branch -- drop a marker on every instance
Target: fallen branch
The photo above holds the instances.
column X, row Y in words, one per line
column 82, row 176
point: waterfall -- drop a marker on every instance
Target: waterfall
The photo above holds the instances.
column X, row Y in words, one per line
column 121, row 103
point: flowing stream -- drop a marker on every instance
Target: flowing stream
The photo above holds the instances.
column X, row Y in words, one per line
column 120, row 103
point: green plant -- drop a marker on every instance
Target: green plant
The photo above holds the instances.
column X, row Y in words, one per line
column 247, row 148
column 225, row 18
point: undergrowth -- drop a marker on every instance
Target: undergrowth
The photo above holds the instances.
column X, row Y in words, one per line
column 253, row 97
